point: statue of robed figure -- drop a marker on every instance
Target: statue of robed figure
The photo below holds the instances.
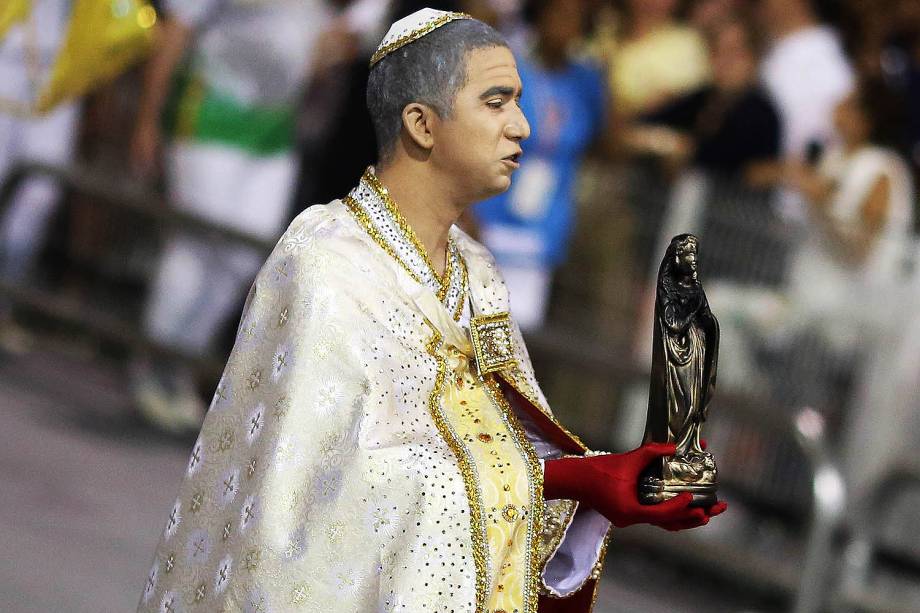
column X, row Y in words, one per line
column 684, row 358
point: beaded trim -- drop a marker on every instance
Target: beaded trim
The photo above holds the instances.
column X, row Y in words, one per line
column 375, row 211
column 416, row 34
column 464, row 288
column 467, row 470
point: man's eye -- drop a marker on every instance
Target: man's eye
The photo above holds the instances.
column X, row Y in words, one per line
column 495, row 103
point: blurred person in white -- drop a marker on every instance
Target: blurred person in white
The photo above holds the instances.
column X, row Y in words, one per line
column 860, row 201
column 807, row 74
column 27, row 54
column 852, row 281
column 528, row 227
column 230, row 161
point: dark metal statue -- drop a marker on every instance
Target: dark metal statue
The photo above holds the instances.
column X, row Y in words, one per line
column 684, row 357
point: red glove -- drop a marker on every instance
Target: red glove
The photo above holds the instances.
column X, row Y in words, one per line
column 609, row 484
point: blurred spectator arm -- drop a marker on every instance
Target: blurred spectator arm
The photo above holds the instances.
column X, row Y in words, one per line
column 172, row 42
column 663, row 133
column 859, row 240
column 658, row 140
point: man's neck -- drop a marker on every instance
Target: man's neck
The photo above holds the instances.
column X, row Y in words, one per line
column 425, row 203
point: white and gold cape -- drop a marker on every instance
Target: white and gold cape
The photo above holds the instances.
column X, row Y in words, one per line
column 364, row 453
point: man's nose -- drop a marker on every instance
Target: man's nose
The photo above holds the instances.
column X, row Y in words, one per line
column 518, row 128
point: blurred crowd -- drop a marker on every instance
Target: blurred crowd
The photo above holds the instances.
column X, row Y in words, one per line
column 784, row 133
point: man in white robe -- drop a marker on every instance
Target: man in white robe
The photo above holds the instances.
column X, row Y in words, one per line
column 378, row 440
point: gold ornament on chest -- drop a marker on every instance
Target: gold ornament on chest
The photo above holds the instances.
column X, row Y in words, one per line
column 492, row 342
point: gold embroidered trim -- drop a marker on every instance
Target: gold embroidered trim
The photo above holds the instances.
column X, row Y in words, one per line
column 478, row 529
column 453, row 260
column 599, row 569
column 595, row 574
column 445, row 279
column 535, row 520
column 416, row 34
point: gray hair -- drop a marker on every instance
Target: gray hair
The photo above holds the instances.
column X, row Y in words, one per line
column 430, row 70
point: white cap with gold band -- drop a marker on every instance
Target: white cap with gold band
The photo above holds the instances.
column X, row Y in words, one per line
column 413, row 27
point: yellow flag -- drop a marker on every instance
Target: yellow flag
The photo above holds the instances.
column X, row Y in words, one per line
column 12, row 11
column 103, row 39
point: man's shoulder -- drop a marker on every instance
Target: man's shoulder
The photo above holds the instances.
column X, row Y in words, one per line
column 319, row 228
column 320, row 233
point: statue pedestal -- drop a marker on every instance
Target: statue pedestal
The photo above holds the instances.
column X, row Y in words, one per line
column 653, row 491
column 695, row 472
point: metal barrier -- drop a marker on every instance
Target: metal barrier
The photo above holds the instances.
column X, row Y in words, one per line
column 884, row 535
column 137, row 201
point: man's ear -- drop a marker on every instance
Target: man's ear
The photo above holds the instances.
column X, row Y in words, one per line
column 418, row 120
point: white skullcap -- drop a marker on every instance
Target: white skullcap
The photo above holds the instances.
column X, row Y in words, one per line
column 413, row 27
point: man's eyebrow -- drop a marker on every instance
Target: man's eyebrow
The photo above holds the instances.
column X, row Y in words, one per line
column 500, row 90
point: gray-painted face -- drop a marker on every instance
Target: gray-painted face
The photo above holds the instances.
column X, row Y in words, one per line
column 431, row 70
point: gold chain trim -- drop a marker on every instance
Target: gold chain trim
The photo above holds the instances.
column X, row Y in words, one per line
column 478, row 533
column 535, row 521
column 414, row 35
